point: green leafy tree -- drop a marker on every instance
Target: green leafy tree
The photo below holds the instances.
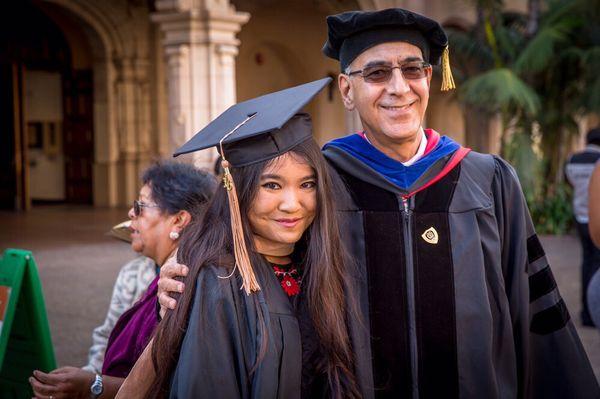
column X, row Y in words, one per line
column 539, row 72
column 561, row 63
column 484, row 59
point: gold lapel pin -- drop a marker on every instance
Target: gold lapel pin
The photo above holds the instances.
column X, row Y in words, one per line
column 430, row 236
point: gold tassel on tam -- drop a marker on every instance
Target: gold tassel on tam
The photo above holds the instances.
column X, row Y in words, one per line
column 447, row 79
column 242, row 259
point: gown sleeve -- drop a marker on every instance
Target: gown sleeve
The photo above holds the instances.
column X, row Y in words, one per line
column 552, row 362
column 212, row 362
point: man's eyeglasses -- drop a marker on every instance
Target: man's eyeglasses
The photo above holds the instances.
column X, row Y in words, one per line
column 139, row 205
column 383, row 73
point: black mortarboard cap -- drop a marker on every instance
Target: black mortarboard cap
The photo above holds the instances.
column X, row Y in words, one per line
column 270, row 126
column 350, row 33
column 249, row 132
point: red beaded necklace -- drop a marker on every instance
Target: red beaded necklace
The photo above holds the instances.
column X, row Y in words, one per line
column 289, row 278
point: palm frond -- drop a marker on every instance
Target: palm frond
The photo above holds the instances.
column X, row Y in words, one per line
column 560, row 10
column 466, row 47
column 591, row 9
column 541, row 49
column 519, row 152
column 590, row 100
column 500, row 89
column 510, row 43
column 591, row 59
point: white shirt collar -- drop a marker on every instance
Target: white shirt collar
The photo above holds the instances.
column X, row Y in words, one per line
column 420, row 150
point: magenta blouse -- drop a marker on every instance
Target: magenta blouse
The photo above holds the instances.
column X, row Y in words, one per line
column 131, row 334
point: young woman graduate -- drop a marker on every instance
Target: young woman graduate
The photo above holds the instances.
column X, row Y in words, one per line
column 267, row 317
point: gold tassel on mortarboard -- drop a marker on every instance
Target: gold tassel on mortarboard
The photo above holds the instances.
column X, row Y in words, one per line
column 447, row 79
column 240, row 251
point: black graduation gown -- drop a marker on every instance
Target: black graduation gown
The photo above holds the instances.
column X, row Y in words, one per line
column 221, row 344
column 457, row 294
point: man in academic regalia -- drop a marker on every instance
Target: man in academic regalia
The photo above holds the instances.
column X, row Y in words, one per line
column 461, row 301
column 456, row 292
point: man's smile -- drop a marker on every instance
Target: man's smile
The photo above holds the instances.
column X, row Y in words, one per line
column 397, row 107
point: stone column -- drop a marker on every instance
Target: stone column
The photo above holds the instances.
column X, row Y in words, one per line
column 132, row 122
column 200, row 48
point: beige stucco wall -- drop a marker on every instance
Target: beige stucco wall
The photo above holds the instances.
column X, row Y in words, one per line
column 281, row 47
column 444, row 114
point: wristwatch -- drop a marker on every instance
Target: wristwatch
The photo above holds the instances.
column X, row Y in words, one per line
column 97, row 387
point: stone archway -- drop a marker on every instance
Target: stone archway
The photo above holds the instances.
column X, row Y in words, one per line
column 121, row 104
column 104, row 42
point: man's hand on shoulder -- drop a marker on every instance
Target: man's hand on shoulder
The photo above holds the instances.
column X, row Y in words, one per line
column 168, row 284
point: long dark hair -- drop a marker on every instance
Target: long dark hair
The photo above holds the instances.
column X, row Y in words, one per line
column 179, row 186
column 208, row 241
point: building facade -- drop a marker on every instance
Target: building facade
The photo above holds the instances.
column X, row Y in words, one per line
column 97, row 90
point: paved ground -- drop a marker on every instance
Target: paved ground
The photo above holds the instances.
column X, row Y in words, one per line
column 78, row 264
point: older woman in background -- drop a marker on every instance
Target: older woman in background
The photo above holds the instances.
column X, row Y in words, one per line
column 171, row 195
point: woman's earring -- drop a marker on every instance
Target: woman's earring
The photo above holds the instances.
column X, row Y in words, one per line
column 173, row 235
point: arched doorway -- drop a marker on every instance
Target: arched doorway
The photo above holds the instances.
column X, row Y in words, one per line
column 47, row 122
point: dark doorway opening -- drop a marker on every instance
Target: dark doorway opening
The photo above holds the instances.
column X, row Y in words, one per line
column 46, row 114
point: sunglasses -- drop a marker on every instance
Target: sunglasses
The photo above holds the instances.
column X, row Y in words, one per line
column 139, row 205
column 383, row 73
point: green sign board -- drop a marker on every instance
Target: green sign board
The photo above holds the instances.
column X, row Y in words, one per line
column 25, row 343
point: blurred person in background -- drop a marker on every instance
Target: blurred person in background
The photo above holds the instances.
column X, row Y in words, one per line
column 578, row 170
column 171, row 195
column 593, row 291
column 594, row 225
